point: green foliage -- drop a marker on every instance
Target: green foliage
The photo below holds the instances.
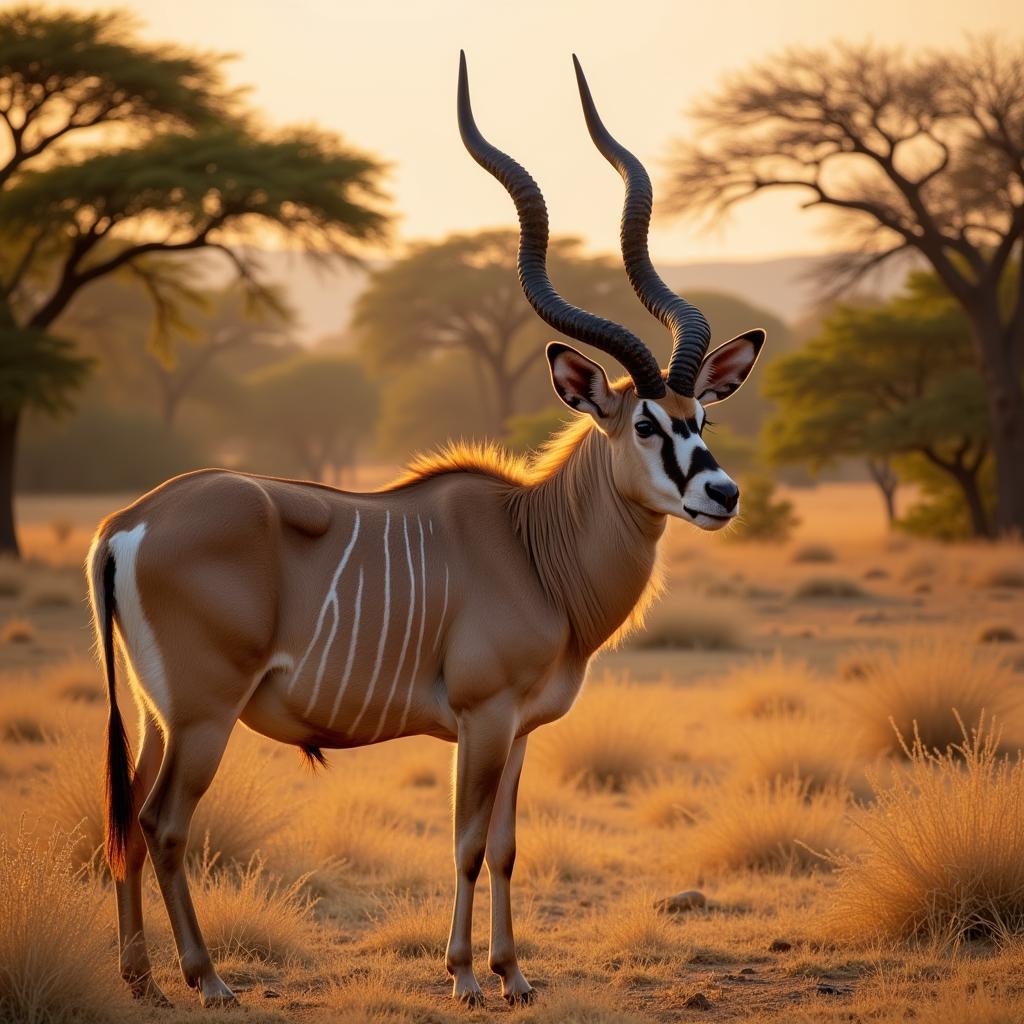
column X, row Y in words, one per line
column 763, row 517
column 102, row 449
column 940, row 513
column 38, row 370
column 320, row 409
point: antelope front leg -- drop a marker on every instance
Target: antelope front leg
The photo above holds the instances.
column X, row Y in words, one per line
column 485, row 737
column 501, row 857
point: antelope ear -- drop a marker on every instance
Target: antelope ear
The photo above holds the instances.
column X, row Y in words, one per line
column 727, row 367
column 580, row 382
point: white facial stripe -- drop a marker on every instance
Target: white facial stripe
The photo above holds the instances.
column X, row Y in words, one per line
column 408, row 632
column 384, row 623
column 330, row 601
column 423, row 622
column 351, row 649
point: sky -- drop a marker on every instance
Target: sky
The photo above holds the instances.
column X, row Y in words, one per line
column 383, row 75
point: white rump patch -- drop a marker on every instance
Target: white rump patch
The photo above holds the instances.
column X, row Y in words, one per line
column 137, row 636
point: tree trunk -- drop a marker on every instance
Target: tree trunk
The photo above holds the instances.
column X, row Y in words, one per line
column 887, row 480
column 8, row 450
column 1002, row 376
column 968, row 482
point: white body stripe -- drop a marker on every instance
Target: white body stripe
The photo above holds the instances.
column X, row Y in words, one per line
column 137, row 636
column 408, row 631
column 331, row 601
column 353, row 640
column 423, row 622
column 444, row 609
column 384, row 623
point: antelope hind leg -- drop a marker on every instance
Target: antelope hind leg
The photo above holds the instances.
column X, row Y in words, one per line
column 485, row 737
column 134, row 956
column 190, row 762
column 501, row 858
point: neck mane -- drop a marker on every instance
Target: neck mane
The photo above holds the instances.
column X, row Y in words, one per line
column 593, row 551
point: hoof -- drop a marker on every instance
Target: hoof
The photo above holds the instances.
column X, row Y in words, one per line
column 522, row 997
column 146, row 990
column 473, row 999
column 213, row 992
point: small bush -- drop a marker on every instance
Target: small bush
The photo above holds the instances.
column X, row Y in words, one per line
column 828, row 588
column 667, row 801
column 1003, row 575
column 690, row 628
column 762, row 516
column 944, row 849
column 764, row 828
column 56, row 963
column 997, row 635
column 410, row 928
column 815, row 554
column 921, row 687
column 636, row 935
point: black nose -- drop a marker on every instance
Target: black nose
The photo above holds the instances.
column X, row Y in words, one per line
column 725, row 494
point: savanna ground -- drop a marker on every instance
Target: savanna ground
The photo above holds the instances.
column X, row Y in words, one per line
column 742, row 745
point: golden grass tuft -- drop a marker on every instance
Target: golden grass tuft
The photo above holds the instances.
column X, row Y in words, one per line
column 250, row 914
column 583, row 1005
column 665, row 801
column 943, row 849
column 410, row 928
column 612, row 737
column 636, row 935
column 691, row 626
column 56, row 951
column 769, row 687
column 17, row 630
column 770, row 826
column 820, row 753
column 923, row 685
column 558, row 849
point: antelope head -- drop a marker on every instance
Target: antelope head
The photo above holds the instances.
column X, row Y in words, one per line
column 654, row 420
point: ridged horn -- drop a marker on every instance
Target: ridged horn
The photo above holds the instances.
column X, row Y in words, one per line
column 606, row 335
column 690, row 331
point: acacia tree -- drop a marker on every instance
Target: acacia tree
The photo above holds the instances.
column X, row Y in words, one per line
column 185, row 169
column 918, row 154
column 883, row 382
column 321, row 409
column 462, row 295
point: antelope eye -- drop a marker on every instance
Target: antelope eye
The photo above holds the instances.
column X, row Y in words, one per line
column 644, row 428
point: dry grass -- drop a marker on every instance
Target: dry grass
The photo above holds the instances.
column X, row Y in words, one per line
column 943, row 854
column 56, row 963
column 923, row 685
column 634, row 934
column 667, row 800
column 410, row 928
column 24, row 717
column 770, row 826
column 614, row 736
column 998, row 634
column 559, row 849
column 1001, row 575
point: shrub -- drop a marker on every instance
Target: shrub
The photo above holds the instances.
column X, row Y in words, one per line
column 762, row 516
column 17, row 631
column 56, row 963
column 690, row 627
column 943, row 855
column 636, row 935
column 410, row 928
column 666, row 801
column 765, row 827
column 1002, row 575
column 997, row 635
column 817, row 554
column 828, row 587
column 767, row 688
column 922, row 687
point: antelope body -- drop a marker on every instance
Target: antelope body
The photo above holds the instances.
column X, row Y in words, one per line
column 462, row 602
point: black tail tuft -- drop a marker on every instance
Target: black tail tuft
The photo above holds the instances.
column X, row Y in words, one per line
column 119, row 754
column 313, row 756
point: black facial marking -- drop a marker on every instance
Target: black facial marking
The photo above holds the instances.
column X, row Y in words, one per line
column 700, row 461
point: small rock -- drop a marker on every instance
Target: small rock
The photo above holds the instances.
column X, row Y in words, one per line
column 748, row 970
column 780, row 946
column 692, row 899
column 698, row 1001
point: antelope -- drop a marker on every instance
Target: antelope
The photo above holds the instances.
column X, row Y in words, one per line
column 464, row 601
